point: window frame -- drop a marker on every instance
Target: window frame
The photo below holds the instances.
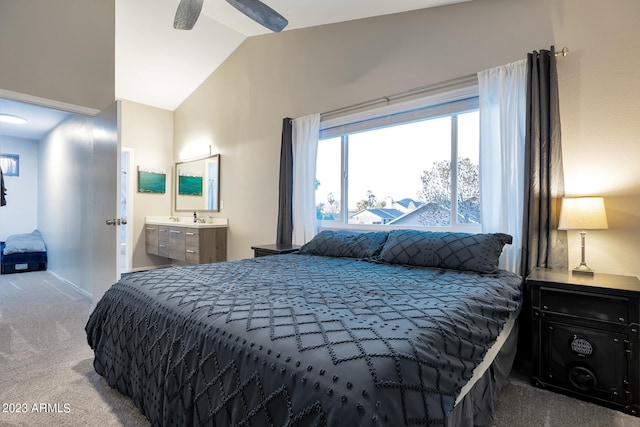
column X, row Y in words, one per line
column 383, row 117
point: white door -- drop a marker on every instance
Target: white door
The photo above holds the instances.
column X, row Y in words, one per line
column 126, row 184
column 106, row 199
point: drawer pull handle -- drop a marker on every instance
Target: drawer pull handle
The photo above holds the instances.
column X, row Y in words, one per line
column 190, row 234
column 162, row 246
column 151, row 228
column 189, row 251
column 175, row 231
column 621, row 319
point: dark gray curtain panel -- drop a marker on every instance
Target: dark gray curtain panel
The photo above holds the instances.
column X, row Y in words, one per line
column 285, row 207
column 3, row 191
column 543, row 244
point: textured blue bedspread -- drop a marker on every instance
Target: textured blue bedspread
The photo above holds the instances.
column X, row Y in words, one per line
column 298, row 340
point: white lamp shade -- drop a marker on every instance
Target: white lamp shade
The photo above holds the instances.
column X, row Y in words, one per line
column 582, row 213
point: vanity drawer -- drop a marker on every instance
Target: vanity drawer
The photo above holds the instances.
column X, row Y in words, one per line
column 192, row 255
column 163, row 234
column 151, row 239
column 192, row 237
column 177, row 243
column 163, row 241
column 163, row 249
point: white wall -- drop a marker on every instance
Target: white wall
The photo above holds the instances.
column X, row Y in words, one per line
column 600, row 111
column 65, row 208
column 20, row 215
column 62, row 50
column 239, row 108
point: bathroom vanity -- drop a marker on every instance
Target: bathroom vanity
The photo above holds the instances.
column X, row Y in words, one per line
column 181, row 239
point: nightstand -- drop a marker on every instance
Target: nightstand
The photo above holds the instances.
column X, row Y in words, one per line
column 265, row 250
column 586, row 336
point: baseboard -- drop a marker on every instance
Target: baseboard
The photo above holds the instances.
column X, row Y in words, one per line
column 73, row 285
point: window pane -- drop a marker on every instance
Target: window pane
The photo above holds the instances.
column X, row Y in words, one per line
column 468, row 168
column 328, row 183
column 394, row 170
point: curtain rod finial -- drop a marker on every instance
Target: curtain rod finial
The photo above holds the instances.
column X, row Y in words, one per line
column 563, row 52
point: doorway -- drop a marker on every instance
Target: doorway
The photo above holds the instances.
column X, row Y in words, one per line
column 126, row 209
column 78, row 143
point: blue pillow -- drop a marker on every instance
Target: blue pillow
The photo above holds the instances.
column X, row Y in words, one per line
column 342, row 244
column 24, row 243
column 458, row 251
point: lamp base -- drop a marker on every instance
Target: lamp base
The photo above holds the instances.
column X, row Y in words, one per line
column 583, row 269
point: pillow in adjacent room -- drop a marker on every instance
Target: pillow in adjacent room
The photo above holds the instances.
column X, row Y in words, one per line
column 24, row 243
column 459, row 251
column 342, row 244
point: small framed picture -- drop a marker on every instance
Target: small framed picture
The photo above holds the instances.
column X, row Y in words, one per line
column 151, row 181
column 10, row 164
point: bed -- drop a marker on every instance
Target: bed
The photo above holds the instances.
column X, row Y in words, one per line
column 398, row 328
column 23, row 252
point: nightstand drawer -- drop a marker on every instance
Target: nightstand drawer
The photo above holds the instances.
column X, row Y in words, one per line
column 606, row 308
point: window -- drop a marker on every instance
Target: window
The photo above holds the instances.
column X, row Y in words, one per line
column 414, row 168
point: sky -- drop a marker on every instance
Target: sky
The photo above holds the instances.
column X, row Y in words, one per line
column 390, row 161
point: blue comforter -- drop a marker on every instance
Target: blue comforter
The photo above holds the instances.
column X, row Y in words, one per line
column 298, row 339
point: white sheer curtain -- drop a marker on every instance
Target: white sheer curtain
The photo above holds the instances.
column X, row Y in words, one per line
column 305, row 132
column 503, row 95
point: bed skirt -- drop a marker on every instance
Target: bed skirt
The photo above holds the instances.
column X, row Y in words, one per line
column 477, row 407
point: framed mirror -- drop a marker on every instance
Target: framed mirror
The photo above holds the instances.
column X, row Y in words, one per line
column 197, row 184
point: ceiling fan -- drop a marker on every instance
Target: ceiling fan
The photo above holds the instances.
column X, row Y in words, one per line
column 189, row 11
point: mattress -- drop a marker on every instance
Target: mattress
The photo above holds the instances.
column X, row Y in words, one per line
column 299, row 339
column 24, row 261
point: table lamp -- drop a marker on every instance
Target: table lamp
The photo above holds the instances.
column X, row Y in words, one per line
column 582, row 213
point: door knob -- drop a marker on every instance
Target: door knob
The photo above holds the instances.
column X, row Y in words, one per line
column 116, row 221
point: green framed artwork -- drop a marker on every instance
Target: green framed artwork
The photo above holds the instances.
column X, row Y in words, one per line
column 151, row 181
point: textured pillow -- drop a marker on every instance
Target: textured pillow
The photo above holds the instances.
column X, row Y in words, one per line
column 458, row 251
column 24, row 243
column 341, row 244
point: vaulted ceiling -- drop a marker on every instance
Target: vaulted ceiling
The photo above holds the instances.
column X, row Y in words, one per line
column 159, row 66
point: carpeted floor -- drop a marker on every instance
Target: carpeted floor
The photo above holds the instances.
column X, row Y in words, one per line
column 47, row 377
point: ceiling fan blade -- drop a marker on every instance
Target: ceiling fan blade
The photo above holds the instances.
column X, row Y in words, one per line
column 187, row 14
column 261, row 13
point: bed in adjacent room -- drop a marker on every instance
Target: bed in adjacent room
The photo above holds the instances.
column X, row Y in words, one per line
column 398, row 328
column 23, row 252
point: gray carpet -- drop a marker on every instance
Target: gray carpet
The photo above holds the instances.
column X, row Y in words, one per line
column 46, row 370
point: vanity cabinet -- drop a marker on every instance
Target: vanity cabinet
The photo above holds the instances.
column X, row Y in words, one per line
column 195, row 244
column 205, row 245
